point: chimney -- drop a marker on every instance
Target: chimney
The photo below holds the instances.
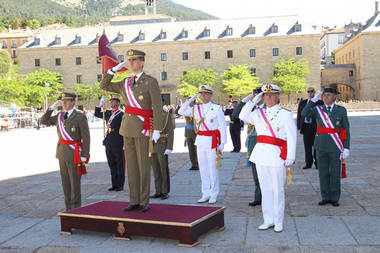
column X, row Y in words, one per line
column 376, row 7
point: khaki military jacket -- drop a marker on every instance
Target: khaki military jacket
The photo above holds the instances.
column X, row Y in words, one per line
column 167, row 135
column 77, row 127
column 146, row 92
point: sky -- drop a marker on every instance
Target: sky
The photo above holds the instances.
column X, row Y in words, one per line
column 318, row 12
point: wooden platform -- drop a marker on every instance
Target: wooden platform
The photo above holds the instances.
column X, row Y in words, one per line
column 181, row 222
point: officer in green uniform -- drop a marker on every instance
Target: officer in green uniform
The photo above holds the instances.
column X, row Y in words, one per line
column 331, row 148
column 72, row 126
column 251, row 142
column 162, row 149
column 140, row 126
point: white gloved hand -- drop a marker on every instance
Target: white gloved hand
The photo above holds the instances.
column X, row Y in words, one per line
column 257, row 98
column 102, row 101
column 247, row 98
column 346, row 153
column 221, row 147
column 317, row 97
column 83, row 159
column 155, row 135
column 193, row 98
column 167, row 151
column 55, row 105
column 119, row 66
column 288, row 162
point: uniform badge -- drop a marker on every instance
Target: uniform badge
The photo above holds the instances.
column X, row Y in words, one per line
column 109, row 130
column 73, row 129
column 146, row 83
column 212, row 109
column 141, row 97
column 120, row 228
column 337, row 122
column 277, row 129
column 211, row 120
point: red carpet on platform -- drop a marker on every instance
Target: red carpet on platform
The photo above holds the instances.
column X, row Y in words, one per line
column 157, row 212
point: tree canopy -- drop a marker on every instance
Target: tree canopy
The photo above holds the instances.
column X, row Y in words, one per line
column 5, row 62
column 193, row 78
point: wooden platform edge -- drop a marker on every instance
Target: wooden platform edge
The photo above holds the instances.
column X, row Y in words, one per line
column 188, row 245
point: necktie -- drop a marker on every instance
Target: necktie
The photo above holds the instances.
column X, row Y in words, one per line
column 329, row 110
column 65, row 115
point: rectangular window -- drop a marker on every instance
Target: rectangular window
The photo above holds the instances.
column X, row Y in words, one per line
column 341, row 39
column 207, row 55
column 252, row 52
column 14, row 44
column 164, row 76
column 229, row 31
column 78, row 60
column 121, row 58
column 163, row 35
column 275, row 52
column 163, row 56
column 351, row 73
column 99, row 77
column 253, row 71
column 229, row 54
column 275, row 29
column 185, row 56
column 298, row 28
column 298, row 50
column 79, row 78
column 4, row 44
column 185, row 34
column 37, row 62
column 206, row 33
column 57, row 61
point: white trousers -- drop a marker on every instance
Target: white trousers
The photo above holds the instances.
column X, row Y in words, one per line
column 209, row 173
column 272, row 184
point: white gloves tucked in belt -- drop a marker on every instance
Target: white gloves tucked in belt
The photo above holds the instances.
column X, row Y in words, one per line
column 156, row 135
column 83, row 159
column 167, row 151
column 288, row 162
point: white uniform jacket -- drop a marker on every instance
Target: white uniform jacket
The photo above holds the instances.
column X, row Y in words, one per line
column 283, row 125
column 214, row 119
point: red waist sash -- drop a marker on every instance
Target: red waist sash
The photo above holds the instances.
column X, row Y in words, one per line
column 77, row 161
column 274, row 141
column 146, row 114
column 215, row 134
column 326, row 130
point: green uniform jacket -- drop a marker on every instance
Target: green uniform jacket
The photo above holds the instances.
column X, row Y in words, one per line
column 339, row 119
column 167, row 134
column 77, row 127
column 147, row 93
column 252, row 139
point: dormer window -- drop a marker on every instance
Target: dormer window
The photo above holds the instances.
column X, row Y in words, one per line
column 206, row 32
column 78, row 39
column 274, row 29
column 37, row 41
column 297, row 27
column 57, row 40
column 229, row 31
column 251, row 29
column 162, row 35
column 120, row 37
column 141, row 35
column 184, row 34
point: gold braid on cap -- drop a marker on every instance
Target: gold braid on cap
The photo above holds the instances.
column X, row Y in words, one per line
column 63, row 95
column 268, row 88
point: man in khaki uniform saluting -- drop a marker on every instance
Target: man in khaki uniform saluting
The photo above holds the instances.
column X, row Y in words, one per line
column 162, row 149
column 73, row 148
column 141, row 124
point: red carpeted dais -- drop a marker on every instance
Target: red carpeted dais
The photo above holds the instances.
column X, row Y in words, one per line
column 156, row 213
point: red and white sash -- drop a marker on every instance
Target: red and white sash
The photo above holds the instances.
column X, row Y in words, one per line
column 133, row 102
column 328, row 124
column 114, row 114
column 268, row 124
column 200, row 117
column 65, row 135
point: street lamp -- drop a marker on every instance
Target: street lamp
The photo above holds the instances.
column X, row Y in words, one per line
column 47, row 85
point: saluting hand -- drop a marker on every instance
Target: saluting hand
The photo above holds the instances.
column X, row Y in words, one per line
column 102, row 101
column 257, row 98
column 247, row 98
column 193, row 98
column 317, row 97
column 55, row 105
column 116, row 68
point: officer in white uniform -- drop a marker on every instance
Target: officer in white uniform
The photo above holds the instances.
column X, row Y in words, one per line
column 210, row 126
column 277, row 133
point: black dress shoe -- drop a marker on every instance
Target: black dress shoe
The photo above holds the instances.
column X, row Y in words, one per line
column 194, row 168
column 255, row 203
column 143, row 208
column 131, row 208
column 118, row 189
column 164, row 196
column 306, row 167
column 335, row 203
column 323, row 202
column 112, row 189
column 156, row 196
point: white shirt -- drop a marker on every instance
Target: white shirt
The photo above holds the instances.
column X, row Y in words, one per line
column 214, row 120
column 283, row 125
column 70, row 112
column 138, row 76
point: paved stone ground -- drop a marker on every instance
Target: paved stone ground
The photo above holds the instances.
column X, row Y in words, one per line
column 28, row 207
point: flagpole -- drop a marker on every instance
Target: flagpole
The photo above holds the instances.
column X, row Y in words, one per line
column 104, row 117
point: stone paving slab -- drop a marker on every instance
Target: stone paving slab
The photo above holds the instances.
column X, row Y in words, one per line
column 326, row 230
column 366, row 230
column 11, row 226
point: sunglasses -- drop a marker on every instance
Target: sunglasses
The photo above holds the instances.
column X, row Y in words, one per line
column 310, row 91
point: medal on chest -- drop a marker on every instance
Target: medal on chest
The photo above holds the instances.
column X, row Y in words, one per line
column 73, row 129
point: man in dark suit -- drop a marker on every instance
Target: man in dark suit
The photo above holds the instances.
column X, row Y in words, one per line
column 308, row 127
column 235, row 126
column 113, row 141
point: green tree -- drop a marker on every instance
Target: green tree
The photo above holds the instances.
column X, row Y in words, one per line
column 238, row 80
column 195, row 78
column 43, row 77
column 290, row 75
column 86, row 92
column 333, row 57
column 5, row 62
